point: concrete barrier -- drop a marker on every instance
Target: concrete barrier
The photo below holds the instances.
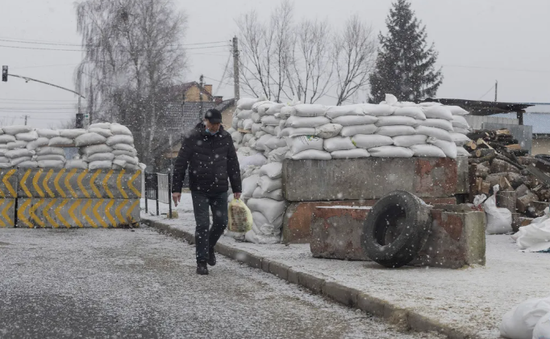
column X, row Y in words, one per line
column 7, row 212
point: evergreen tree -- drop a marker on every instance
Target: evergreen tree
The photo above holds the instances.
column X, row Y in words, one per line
column 405, row 64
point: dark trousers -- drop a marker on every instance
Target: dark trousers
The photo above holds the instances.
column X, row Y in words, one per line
column 206, row 237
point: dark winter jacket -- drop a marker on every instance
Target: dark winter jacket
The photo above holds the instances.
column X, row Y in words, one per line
column 211, row 160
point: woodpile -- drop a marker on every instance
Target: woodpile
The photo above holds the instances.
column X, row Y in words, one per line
column 497, row 158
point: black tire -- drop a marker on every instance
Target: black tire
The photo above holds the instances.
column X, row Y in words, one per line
column 396, row 229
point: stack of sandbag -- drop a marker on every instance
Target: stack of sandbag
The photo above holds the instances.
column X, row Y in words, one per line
column 13, row 146
column 266, row 204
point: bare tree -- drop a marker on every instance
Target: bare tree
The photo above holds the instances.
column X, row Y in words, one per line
column 354, row 56
column 133, row 52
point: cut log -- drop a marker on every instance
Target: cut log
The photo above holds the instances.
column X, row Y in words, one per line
column 482, row 171
column 522, row 190
column 526, row 161
column 470, row 146
column 516, row 221
column 488, row 158
column 507, row 199
column 499, row 165
column 540, row 175
column 513, row 147
column 483, row 152
column 526, row 201
column 483, row 144
column 515, row 179
column 485, row 188
column 501, row 132
column 539, row 207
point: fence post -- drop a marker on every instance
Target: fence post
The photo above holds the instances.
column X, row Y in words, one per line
column 157, row 194
column 146, row 177
column 169, row 194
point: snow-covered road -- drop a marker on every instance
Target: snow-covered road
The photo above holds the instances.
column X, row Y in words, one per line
column 88, row 283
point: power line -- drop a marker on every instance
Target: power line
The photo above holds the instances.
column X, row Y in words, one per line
column 39, row 42
column 498, row 68
column 82, row 50
column 35, row 100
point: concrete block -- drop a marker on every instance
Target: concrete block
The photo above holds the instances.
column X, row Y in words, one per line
column 371, row 304
column 7, row 212
column 341, row 294
column 265, row 265
column 292, row 276
column 279, row 270
column 368, row 178
column 463, row 182
column 252, row 260
column 8, row 183
column 312, row 282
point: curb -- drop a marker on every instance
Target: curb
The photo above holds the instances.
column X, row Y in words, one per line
column 405, row 318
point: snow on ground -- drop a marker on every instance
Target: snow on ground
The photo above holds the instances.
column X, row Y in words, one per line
column 473, row 298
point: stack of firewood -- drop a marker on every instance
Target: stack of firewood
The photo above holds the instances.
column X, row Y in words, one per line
column 497, row 158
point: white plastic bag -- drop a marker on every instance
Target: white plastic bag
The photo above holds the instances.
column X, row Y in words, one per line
column 520, row 321
column 542, row 329
column 499, row 220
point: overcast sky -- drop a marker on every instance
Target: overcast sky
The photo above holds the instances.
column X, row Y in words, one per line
column 479, row 41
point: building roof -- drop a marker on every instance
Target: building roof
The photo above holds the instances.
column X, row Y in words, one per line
column 478, row 107
column 181, row 89
column 539, row 121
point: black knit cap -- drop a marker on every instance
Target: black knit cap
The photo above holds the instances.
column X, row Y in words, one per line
column 214, row 116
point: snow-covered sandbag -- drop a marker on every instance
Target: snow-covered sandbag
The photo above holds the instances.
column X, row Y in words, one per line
column 278, row 155
column 461, row 130
column 129, row 160
column 395, row 120
column 427, row 151
column 245, row 114
column 71, row 133
column 235, row 123
column 55, row 157
column 17, row 144
column 270, row 120
column 275, row 195
column 17, row 153
column 394, row 131
column 4, row 160
column 28, row 164
column 117, row 139
column 51, row 164
column 460, row 122
column 272, row 170
column 274, row 109
column 520, row 321
column 246, row 103
column 106, row 125
column 76, row 163
column 16, row 129
column 378, row 110
column 127, row 153
column 61, row 141
column 89, row 139
column 247, row 124
column 260, row 144
column 252, row 237
column 309, row 110
column 350, row 154
column 461, row 152
column 499, row 220
column 369, row 141
column 448, row 147
column 286, row 112
column 334, row 112
column 245, row 152
column 328, row 130
column 311, row 155
column 354, row 120
column 249, row 185
column 101, row 156
column 459, row 139
column 338, row 144
column 350, row 131
column 47, row 133
column 271, row 209
column 30, row 136
column 412, row 112
column 256, row 128
column 101, row 148
column 40, row 142
column 101, row 131
column 275, row 142
column 297, row 122
column 5, row 165
column 533, row 234
column 16, row 161
column 457, row 110
column 304, row 143
column 409, row 140
column 100, row 165
column 5, row 138
column 237, row 137
column 124, row 147
column 438, row 112
column 253, row 160
column 391, row 152
column 390, row 99
column 542, row 329
column 271, row 130
column 438, row 123
column 434, row 132
column 51, row 150
column 269, row 185
column 295, row 132
column 118, row 129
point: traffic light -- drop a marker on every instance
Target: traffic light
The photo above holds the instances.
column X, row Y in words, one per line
column 4, row 73
column 79, row 120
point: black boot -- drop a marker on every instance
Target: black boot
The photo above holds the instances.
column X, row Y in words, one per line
column 211, row 257
column 202, row 269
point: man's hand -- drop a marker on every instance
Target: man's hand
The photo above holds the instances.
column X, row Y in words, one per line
column 237, row 195
column 176, row 197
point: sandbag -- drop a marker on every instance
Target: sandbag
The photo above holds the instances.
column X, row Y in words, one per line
column 40, row 142
column 269, row 185
column 55, row 157
column 270, row 120
column 461, row 152
column 457, row 110
column 538, row 232
column 88, row 139
column 247, row 124
column 260, row 143
column 311, row 155
column 350, row 154
column 275, row 195
column 438, row 112
column 274, row 109
column 118, row 129
column 17, row 144
column 334, row 112
column 354, row 120
column 448, row 147
column 459, row 139
column 76, row 163
column 28, row 164
column 409, row 140
column 253, row 160
column 120, row 152
column 61, row 141
column 16, row 129
column 350, row 131
column 16, row 161
column 328, row 131
column 246, row 103
column 275, row 142
column 438, row 123
column 309, row 110
column 412, row 112
column 391, row 152
column 124, row 147
column 5, row 138
column 378, row 110
column 30, row 136
column 101, row 148
column 338, row 144
column 394, row 131
column 427, row 151
column 460, row 122
column 437, row 133
column 235, row 123
column 101, row 131
column 6, row 165
column 304, row 143
column 297, row 122
column 520, row 321
column 239, row 217
column 286, row 112
column 117, row 139
column 499, row 220
column 51, row 164
column 237, row 137
column 51, row 150
column 256, row 128
column 100, row 165
column 100, row 156
column 252, row 237
column 295, row 132
column 249, row 185
column 245, row 114
column 278, row 155
column 271, row 209
column 47, row 133
column 272, row 170
column 128, row 159
column 17, row 153
column 542, row 329
column 370, row 141
column 396, row 121
column 461, row 130
column 4, row 160
column 106, row 125
column 71, row 133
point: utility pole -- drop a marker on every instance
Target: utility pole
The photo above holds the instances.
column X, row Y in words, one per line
column 496, row 90
column 200, row 97
column 26, row 116
column 236, row 74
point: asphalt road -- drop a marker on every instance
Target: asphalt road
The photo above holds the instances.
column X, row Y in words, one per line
column 140, row 284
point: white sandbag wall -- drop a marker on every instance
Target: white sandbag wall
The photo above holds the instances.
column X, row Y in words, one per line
column 101, row 146
column 265, row 133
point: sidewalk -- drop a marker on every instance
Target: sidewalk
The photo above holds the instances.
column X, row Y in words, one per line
column 465, row 303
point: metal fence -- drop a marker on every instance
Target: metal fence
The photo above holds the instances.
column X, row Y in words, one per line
column 158, row 187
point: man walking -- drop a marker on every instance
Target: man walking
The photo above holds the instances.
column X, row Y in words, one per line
column 210, row 156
